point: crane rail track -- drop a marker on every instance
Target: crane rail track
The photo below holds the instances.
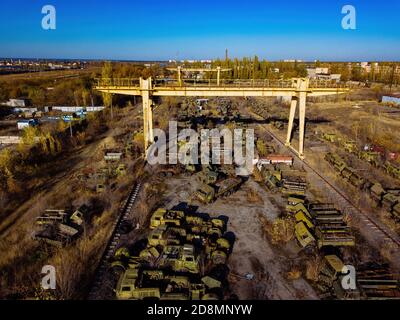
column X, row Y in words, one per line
column 370, row 222
column 113, row 241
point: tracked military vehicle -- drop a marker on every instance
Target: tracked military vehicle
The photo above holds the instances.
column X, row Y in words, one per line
column 209, row 193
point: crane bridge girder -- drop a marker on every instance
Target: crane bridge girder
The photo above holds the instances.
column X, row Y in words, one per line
column 298, row 89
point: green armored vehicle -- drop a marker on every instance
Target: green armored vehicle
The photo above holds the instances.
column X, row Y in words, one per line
column 207, row 193
column 163, row 216
column 208, row 175
column 303, row 235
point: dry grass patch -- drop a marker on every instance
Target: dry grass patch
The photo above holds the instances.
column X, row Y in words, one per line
column 313, row 267
column 279, row 231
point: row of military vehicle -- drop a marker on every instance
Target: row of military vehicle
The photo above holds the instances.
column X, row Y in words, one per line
column 183, row 257
column 284, row 178
column 372, row 281
column 318, row 224
column 389, row 199
column 325, row 226
column 373, row 157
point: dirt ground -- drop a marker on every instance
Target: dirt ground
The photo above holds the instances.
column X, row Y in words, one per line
column 252, row 252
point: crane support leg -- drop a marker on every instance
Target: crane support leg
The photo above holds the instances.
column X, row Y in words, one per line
column 302, row 121
column 293, row 105
column 147, row 113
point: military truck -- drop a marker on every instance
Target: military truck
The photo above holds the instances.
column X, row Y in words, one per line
column 293, row 201
column 330, row 228
column 163, row 216
column 155, row 284
column 330, row 272
column 127, row 288
column 80, row 215
column 60, row 228
column 330, row 277
column 180, row 258
column 208, row 193
column 303, row 235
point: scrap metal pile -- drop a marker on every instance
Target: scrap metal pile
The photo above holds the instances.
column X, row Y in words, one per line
column 60, row 228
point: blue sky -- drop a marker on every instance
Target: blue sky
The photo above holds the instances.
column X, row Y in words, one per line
column 159, row 30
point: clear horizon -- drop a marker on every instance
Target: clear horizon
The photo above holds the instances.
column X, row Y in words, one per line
column 160, row 31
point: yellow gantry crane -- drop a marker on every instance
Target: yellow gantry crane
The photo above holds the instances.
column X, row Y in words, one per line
column 298, row 89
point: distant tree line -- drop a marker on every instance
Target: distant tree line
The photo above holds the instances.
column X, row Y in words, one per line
column 254, row 68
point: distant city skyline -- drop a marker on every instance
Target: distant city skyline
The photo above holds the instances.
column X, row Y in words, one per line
column 163, row 30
